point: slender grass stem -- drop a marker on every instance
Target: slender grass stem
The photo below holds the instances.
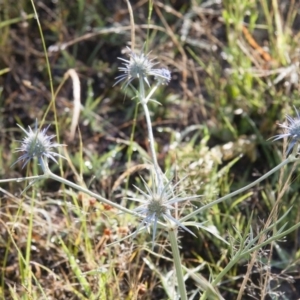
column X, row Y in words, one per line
column 290, row 159
column 88, row 192
column 48, row 174
column 149, row 124
column 130, row 150
column 177, row 262
column 144, row 101
column 160, row 184
column 21, row 257
column 151, row 139
column 151, row 93
column 27, row 270
column 37, row 177
column 246, row 251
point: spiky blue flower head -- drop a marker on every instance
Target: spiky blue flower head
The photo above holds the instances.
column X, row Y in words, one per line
column 292, row 131
column 37, row 144
column 157, row 204
column 163, row 76
column 140, row 66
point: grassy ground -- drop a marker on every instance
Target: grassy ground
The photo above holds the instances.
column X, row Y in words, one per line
column 235, row 75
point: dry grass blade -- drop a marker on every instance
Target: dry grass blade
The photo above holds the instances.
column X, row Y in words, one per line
column 76, row 100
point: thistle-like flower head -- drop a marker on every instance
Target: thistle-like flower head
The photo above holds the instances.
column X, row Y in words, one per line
column 38, row 144
column 163, row 76
column 292, row 131
column 140, row 66
column 157, row 204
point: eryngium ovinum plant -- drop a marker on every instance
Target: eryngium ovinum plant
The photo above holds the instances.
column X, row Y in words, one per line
column 159, row 201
